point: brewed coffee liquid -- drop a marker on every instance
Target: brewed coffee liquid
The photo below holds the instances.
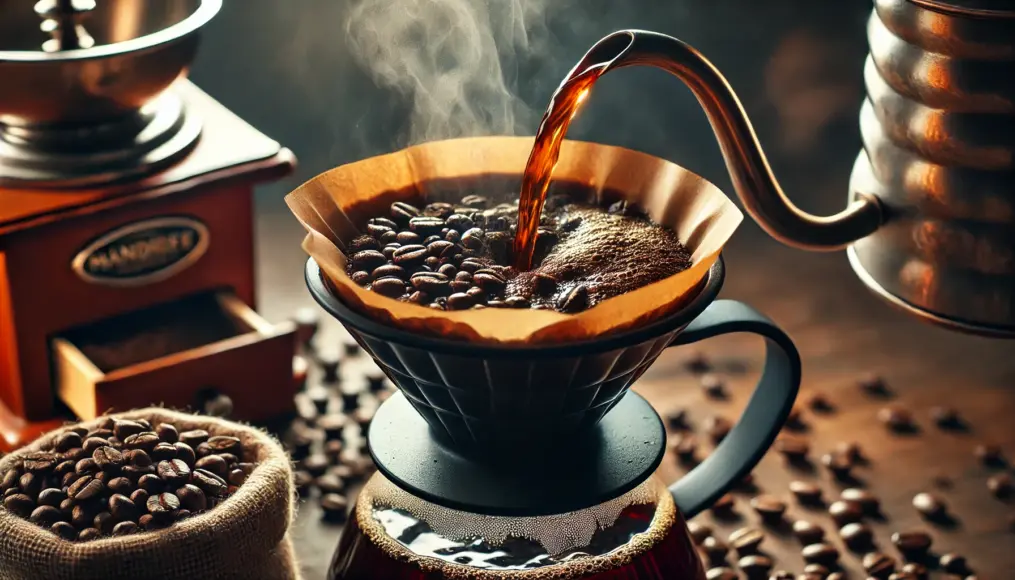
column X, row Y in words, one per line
column 563, row 106
column 644, row 543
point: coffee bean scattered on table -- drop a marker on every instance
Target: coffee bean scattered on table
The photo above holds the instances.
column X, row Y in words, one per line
column 845, row 512
column 769, row 507
column 718, row 428
column 878, row 565
column 806, row 492
column 755, row 565
column 715, row 550
column 713, row 386
column 838, row 464
column 820, row 553
column 698, row 532
column 989, row 454
column 929, row 505
column 118, row 488
column 793, row 449
column 721, row 573
column 868, row 501
column 857, row 536
column 808, row 532
column 912, row 544
column 897, row 418
column 746, row 540
column 1001, row 485
column 873, row 385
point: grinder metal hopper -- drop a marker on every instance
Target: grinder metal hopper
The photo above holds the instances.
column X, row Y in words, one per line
column 91, row 106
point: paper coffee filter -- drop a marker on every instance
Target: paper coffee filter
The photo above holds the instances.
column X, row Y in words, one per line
column 330, row 205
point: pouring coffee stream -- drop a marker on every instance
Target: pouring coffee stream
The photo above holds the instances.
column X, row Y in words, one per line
column 752, row 178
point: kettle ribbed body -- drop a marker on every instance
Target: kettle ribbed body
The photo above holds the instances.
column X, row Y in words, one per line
column 938, row 128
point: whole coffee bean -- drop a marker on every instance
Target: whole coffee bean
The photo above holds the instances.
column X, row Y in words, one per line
column 818, row 569
column 919, row 571
column 781, row 575
column 302, row 481
column 989, row 454
column 122, row 508
column 391, row 287
column 125, row 529
column 388, row 271
column 845, row 512
column 769, row 507
column 89, row 534
column 698, row 532
column 81, row 515
column 19, row 504
column 856, row 536
column 215, row 464
column 868, row 501
column 139, row 497
column 151, row 483
column 174, row 472
column 460, row 301
column 31, row 484
column 163, row 452
column 192, row 498
column 929, row 505
column 236, row 477
column 953, row 563
column 67, row 441
column 408, row 238
column 85, row 489
column 432, row 283
column 45, row 515
column 64, row 530
column 818, row 401
column 315, row 464
column 361, row 277
column 380, row 231
column 490, row 281
column 146, row 440
column 838, row 464
column 93, row 443
column 873, row 385
column 746, row 540
column 163, row 505
column 75, row 455
column 185, row 453
column 474, row 239
column 685, row 446
column 10, row 479
column 225, row 444
column 715, row 549
column 912, row 544
column 901, row 576
column 120, row 485
column 124, row 428
column 878, row 565
column 896, row 418
column 360, row 243
column 713, row 386
column 721, row 573
column 677, row 420
column 1000, row 485
column 755, row 565
column 86, row 466
column 52, row 496
column 364, row 260
column 402, row 212
column 69, row 478
column 410, row 256
column 168, row 433
column 428, row 225
column 574, row 300
column 210, row 483
column 820, row 553
column 108, row 458
column 717, row 428
column 138, row 457
column 806, row 492
column 202, row 450
column 945, row 417
column 334, row 506
column 807, row 532
column 795, row 450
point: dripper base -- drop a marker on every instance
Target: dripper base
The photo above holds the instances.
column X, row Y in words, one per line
column 612, row 458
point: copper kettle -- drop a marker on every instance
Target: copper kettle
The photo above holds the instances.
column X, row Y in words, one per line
column 930, row 221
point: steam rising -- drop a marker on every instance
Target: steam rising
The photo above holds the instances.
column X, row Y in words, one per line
column 456, row 60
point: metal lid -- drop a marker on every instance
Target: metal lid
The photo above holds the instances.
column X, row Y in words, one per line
column 979, row 8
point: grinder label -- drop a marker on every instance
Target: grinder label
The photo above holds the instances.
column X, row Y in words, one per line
column 143, row 252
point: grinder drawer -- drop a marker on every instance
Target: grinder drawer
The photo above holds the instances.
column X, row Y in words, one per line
column 169, row 354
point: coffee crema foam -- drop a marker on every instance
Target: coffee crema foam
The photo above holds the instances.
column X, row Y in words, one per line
column 556, row 533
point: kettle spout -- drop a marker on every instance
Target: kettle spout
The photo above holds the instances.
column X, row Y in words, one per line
column 757, row 188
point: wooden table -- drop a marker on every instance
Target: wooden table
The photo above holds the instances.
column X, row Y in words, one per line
column 842, row 332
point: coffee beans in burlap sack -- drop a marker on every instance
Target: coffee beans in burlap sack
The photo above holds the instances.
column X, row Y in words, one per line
column 243, row 537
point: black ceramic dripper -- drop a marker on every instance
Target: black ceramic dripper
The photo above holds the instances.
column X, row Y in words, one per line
column 549, row 429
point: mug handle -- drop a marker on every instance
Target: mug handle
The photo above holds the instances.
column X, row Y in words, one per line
column 764, row 415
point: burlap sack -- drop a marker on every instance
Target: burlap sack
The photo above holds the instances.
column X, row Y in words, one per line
column 243, row 537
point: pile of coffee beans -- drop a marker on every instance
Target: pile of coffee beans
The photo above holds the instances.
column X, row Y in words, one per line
column 851, row 516
column 123, row 477
column 448, row 257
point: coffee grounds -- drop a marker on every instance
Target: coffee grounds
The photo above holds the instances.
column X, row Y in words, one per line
column 123, row 477
column 457, row 256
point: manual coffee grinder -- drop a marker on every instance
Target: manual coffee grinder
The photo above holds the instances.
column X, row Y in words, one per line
column 126, row 221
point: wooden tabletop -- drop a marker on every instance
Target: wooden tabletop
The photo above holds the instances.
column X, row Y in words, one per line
column 842, row 332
